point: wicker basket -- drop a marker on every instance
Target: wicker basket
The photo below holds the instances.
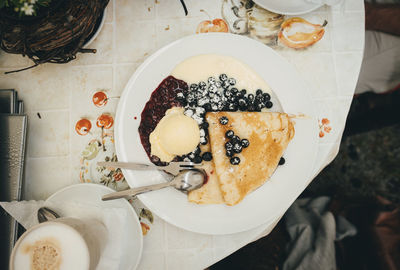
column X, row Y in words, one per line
column 56, row 37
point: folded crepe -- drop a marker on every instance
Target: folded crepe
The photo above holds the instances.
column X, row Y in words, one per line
column 269, row 135
column 210, row 192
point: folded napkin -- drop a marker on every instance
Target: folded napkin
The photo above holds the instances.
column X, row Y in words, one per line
column 313, row 231
column 114, row 219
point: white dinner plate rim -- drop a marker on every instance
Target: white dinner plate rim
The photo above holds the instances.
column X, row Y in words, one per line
column 119, row 147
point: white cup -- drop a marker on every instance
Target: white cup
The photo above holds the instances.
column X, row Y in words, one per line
column 65, row 243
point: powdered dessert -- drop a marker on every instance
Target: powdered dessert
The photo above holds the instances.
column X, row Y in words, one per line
column 200, row 88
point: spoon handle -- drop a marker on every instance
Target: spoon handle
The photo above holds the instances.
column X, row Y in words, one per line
column 134, row 191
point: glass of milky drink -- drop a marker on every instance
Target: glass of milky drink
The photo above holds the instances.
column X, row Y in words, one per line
column 65, row 243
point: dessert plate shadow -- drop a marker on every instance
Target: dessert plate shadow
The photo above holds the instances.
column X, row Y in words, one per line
column 264, row 204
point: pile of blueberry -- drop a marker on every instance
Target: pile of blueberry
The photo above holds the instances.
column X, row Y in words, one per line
column 218, row 95
column 234, row 145
column 222, row 95
column 197, row 157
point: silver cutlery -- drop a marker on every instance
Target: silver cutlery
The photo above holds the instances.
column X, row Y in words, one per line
column 45, row 214
column 185, row 180
column 173, row 167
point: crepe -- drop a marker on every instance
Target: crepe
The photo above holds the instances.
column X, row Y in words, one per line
column 269, row 135
column 210, row 192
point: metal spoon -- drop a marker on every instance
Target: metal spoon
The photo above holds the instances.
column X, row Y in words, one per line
column 186, row 180
column 45, row 214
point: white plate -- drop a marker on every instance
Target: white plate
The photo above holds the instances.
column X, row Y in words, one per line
column 288, row 7
column 99, row 28
column 91, row 194
column 262, row 205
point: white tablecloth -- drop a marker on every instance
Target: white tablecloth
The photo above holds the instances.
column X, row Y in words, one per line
column 57, row 96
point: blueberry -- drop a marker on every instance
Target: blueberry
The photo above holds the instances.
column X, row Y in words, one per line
column 281, row 161
column 267, row 97
column 212, row 88
column 229, row 153
column 229, row 134
column 245, row 143
column 214, row 107
column 207, row 107
column 232, row 99
column 188, row 112
column 207, row 156
column 232, row 107
column 243, row 92
column 204, row 125
column 194, row 87
column 202, row 101
column 196, row 151
column 223, row 120
column 235, row 90
column 180, row 96
column 260, row 98
column 191, row 156
column 211, row 80
column 268, row 104
column 221, row 106
column 258, row 106
column 216, row 99
column 243, row 108
column 197, row 159
column 242, row 102
column 202, row 85
column 259, row 92
column 225, row 84
column 183, row 102
column 223, row 77
column 218, row 84
column 203, row 141
column 227, row 92
column 235, row 161
column 250, row 97
column 237, row 147
column 251, row 108
column 190, row 97
column 231, row 81
column 235, row 139
column 228, row 146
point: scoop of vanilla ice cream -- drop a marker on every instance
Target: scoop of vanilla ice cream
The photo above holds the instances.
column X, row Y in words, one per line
column 176, row 134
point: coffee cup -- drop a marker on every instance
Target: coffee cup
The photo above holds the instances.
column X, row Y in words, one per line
column 64, row 243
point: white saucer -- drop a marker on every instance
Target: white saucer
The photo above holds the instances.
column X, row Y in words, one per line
column 288, row 7
column 91, row 194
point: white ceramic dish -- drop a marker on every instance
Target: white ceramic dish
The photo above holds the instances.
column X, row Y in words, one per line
column 91, row 194
column 288, row 7
column 264, row 204
column 103, row 19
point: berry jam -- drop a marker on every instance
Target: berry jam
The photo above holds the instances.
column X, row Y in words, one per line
column 162, row 99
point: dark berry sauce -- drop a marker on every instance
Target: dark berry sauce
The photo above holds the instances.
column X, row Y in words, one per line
column 162, row 99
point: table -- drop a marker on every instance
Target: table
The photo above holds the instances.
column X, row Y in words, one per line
column 57, row 96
